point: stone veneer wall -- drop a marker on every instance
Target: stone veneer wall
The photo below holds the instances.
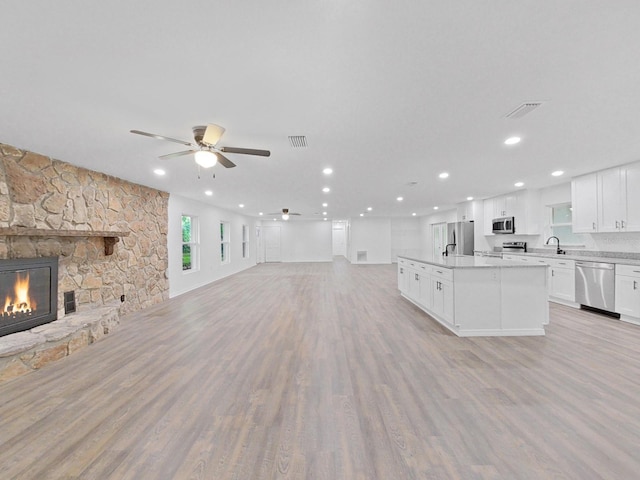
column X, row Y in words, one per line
column 39, row 192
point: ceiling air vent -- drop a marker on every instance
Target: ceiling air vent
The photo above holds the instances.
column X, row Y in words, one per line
column 298, row 141
column 523, row 110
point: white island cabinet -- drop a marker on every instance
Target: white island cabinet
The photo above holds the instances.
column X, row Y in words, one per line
column 478, row 296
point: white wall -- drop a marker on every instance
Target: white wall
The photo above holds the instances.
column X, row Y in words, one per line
column 211, row 268
column 405, row 237
column 372, row 235
column 306, row 241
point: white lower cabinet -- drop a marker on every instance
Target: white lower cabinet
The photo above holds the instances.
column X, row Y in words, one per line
column 403, row 276
column 627, row 293
column 442, row 305
column 561, row 276
column 562, row 280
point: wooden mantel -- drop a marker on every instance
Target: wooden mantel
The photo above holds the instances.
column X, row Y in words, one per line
column 110, row 237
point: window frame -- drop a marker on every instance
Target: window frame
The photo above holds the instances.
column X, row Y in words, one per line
column 193, row 243
column 575, row 242
column 225, row 242
column 245, row 241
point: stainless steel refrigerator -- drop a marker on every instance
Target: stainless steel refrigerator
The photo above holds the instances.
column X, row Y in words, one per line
column 460, row 234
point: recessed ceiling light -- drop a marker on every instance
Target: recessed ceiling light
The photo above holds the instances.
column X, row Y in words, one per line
column 512, row 140
column 435, row 208
column 260, row 213
column 518, row 184
column 399, row 199
column 325, row 219
column 362, row 214
column 326, row 189
column 444, row 175
column 241, row 205
column 327, row 171
column 369, row 209
column 469, row 198
column 208, row 193
column 557, row 173
column 324, row 213
column 325, row 204
column 414, row 214
column 159, row 171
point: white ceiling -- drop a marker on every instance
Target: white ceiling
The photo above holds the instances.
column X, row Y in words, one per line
column 387, row 93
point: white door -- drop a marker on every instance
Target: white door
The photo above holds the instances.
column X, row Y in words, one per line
column 439, row 238
column 271, row 240
column 259, row 246
column 339, row 239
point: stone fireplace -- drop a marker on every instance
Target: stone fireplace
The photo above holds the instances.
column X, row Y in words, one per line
column 28, row 293
column 110, row 238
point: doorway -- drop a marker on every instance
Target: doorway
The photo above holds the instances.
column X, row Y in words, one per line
column 438, row 238
column 271, row 236
column 339, row 238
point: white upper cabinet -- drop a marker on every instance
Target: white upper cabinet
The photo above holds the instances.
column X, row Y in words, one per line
column 466, row 211
column 631, row 202
column 584, row 201
column 607, row 201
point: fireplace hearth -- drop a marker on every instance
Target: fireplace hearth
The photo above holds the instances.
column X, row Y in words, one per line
column 28, row 293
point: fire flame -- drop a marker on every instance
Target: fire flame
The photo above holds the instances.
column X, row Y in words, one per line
column 21, row 303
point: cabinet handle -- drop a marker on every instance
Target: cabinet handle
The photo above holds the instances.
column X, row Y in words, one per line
column 553, row 273
column 439, row 271
column 594, row 225
column 635, row 285
column 417, row 277
column 561, row 263
column 617, row 224
column 401, row 270
column 622, row 223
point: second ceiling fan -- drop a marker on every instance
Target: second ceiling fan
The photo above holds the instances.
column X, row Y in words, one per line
column 205, row 149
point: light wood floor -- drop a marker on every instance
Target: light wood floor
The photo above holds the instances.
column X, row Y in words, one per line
column 322, row 371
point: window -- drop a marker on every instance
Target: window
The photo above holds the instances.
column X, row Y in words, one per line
column 189, row 243
column 224, row 242
column 245, row 241
column 561, row 224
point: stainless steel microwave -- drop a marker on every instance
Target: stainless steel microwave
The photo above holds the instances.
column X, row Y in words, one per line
column 503, row 225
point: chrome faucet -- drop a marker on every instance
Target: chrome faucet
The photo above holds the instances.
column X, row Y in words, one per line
column 446, row 249
column 558, row 251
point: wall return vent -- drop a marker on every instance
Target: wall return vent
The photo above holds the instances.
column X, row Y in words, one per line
column 523, row 110
column 298, row 141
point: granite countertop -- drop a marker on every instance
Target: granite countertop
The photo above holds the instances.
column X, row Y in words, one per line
column 580, row 258
column 468, row 261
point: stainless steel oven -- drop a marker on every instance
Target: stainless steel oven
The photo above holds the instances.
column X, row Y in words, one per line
column 503, row 225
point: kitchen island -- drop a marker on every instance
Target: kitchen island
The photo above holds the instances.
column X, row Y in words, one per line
column 478, row 296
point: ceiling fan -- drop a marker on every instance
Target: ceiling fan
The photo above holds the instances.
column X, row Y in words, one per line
column 285, row 213
column 206, row 150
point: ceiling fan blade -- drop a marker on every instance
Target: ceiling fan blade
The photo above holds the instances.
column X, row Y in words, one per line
column 177, row 154
column 224, row 161
column 245, row 151
column 212, row 134
column 161, row 137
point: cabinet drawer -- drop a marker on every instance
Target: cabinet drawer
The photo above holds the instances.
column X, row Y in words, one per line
column 444, row 273
column 558, row 263
column 628, row 270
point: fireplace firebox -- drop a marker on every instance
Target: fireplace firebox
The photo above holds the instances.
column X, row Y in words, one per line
column 28, row 293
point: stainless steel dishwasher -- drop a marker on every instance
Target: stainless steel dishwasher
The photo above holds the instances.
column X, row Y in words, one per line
column 595, row 284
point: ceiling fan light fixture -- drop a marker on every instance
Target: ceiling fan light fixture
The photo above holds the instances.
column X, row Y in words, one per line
column 285, row 216
column 206, row 158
